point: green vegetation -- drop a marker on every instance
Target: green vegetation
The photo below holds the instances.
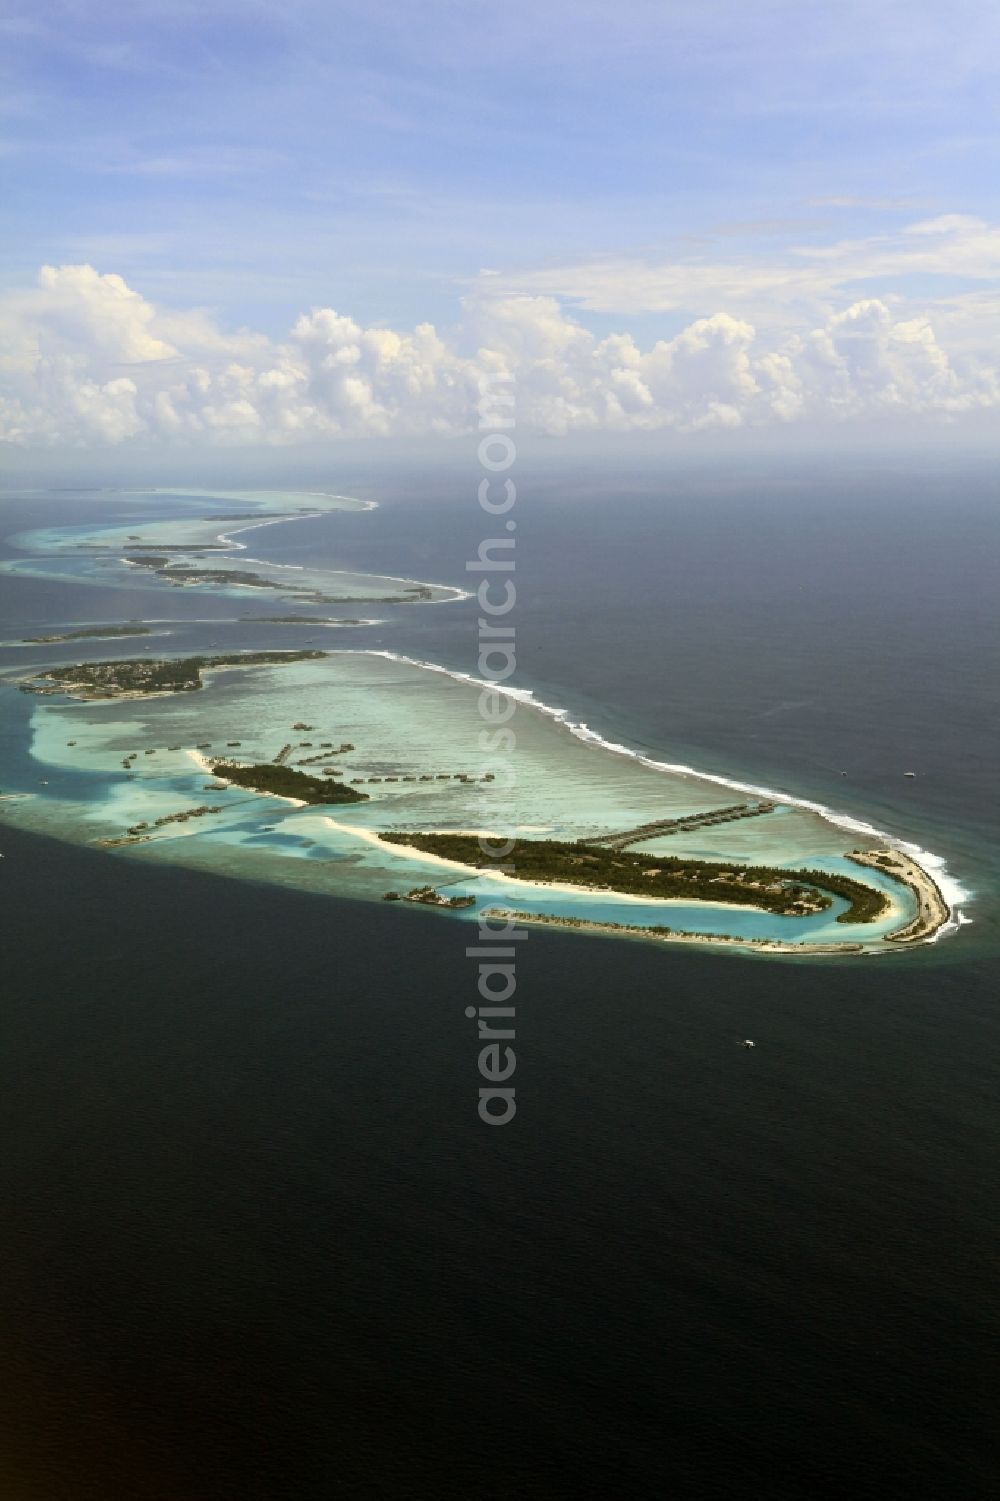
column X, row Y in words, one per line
column 142, row 675
column 285, row 781
column 181, row 575
column 511, row 914
column 866, row 904
column 653, row 930
column 178, row 573
column 430, row 896
column 791, row 893
column 88, row 632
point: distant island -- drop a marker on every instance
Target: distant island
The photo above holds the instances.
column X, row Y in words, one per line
column 305, row 620
column 136, row 676
column 788, row 893
column 183, row 575
column 89, row 632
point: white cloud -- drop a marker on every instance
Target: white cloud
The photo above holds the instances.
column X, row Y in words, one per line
column 773, row 291
column 97, row 314
column 87, row 360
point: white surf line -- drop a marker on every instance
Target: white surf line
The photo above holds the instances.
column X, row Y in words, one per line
column 392, row 578
column 255, row 497
column 951, row 890
column 453, row 593
column 234, row 546
column 83, row 640
column 450, row 593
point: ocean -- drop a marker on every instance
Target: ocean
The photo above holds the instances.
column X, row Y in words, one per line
column 257, row 1242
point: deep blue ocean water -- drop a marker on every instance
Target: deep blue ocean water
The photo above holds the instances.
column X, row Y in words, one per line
column 256, row 1243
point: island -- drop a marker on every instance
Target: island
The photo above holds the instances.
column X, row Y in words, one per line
column 788, row 893
column 430, row 896
column 182, row 575
column 306, row 620
column 89, row 632
column 284, row 781
column 660, row 933
column 137, row 676
column 125, row 752
column 932, row 910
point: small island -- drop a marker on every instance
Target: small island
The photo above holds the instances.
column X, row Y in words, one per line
column 89, row 632
column 180, row 573
column 787, row 893
column 285, row 781
column 430, row 896
column 660, row 933
column 306, row 620
column 183, row 575
column 137, row 676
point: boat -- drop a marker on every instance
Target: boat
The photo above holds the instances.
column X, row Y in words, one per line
column 748, row 1042
column 909, row 773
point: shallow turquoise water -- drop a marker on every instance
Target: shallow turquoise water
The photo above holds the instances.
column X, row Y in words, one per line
column 406, row 723
column 172, row 523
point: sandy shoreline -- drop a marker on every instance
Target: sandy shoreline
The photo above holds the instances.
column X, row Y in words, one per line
column 407, row 852
column 932, row 915
column 933, row 910
column 472, row 871
column 583, row 732
column 714, row 940
column 87, row 693
column 205, row 765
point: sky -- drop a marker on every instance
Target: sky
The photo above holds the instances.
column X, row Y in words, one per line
column 293, row 223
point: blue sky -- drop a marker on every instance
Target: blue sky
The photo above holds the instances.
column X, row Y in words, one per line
column 644, row 166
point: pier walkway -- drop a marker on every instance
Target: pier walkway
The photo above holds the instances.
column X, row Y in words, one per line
column 625, row 837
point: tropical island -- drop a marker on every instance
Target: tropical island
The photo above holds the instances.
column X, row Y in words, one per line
column 305, row 620
column 179, row 573
column 751, row 852
column 284, row 781
column 430, row 896
column 660, row 933
column 787, row 893
column 89, row 632
column 135, row 676
column 184, row 575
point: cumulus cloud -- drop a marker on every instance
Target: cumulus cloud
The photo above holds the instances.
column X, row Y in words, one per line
column 87, row 360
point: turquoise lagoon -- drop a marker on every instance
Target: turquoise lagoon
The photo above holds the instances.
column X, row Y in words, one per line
column 415, row 728
column 188, row 538
column 405, row 721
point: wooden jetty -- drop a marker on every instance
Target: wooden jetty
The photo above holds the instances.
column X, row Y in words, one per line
column 624, row 837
